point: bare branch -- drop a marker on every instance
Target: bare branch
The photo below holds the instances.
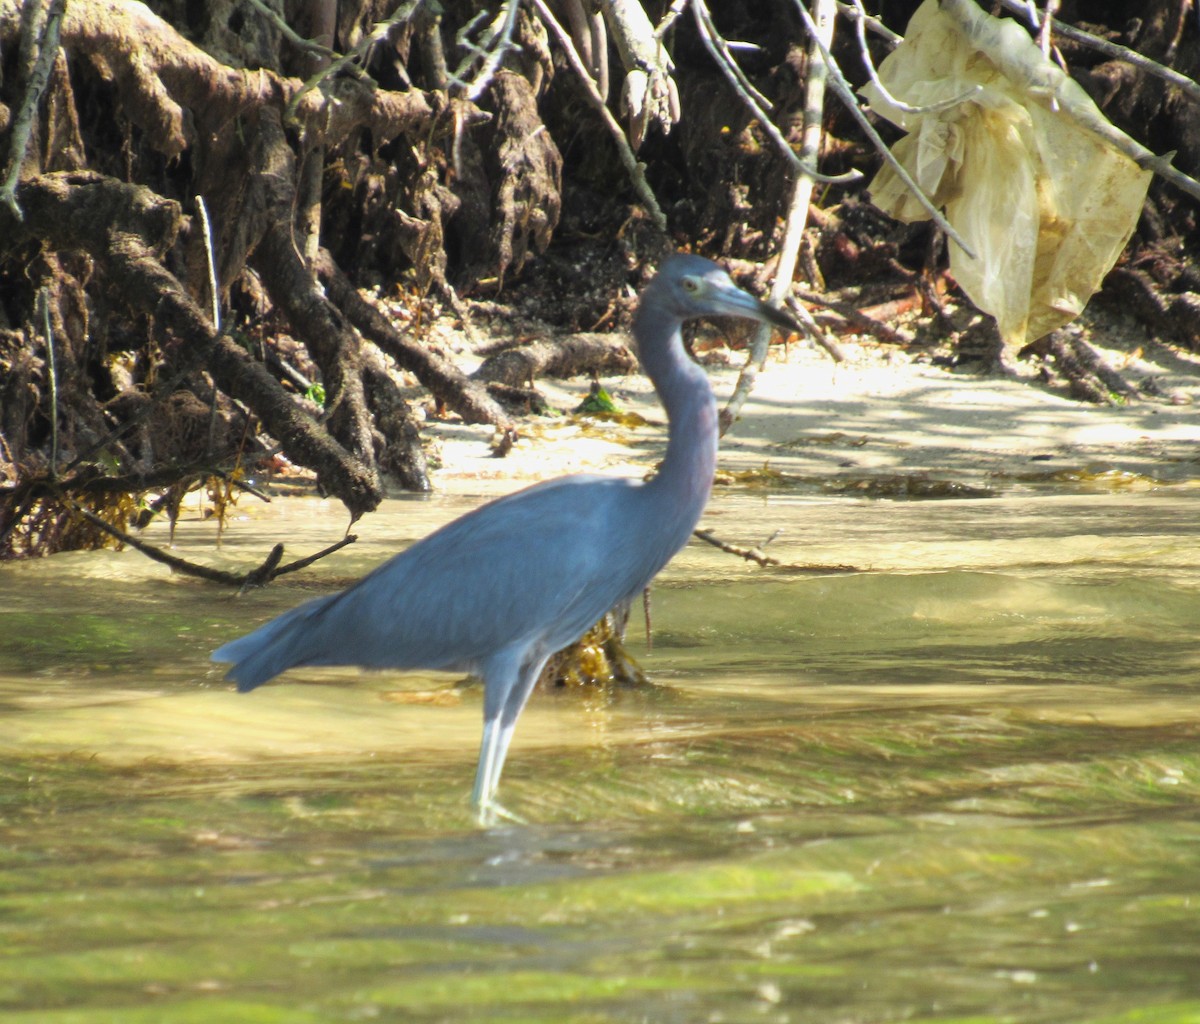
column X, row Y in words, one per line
column 1115, row 50
column 256, row 577
column 860, row 23
column 290, row 34
column 39, row 47
column 754, row 100
column 402, row 13
column 755, row 554
column 810, row 148
column 206, row 234
column 52, row 370
column 759, row 557
column 855, row 12
column 494, row 44
column 628, row 159
column 673, row 14
column 1053, row 84
column 846, row 95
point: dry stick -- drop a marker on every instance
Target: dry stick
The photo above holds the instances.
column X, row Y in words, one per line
column 255, row 577
column 445, row 381
column 1115, row 50
column 52, row 369
column 212, row 266
column 39, row 75
column 377, row 33
column 206, row 235
column 673, row 14
column 628, row 160
column 495, row 46
column 818, row 335
column 754, row 554
column 856, row 318
column 899, row 104
column 1044, row 29
column 810, row 148
column 718, row 49
column 1054, row 85
column 289, row 33
column 758, row 556
column 855, row 12
column 842, row 88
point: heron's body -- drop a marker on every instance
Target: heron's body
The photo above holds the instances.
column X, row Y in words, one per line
column 499, row 590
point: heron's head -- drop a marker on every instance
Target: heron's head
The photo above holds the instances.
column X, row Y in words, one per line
column 691, row 286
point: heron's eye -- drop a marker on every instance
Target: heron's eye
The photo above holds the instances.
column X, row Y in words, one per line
column 690, row 284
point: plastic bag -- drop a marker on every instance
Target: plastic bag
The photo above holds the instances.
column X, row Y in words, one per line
column 1046, row 204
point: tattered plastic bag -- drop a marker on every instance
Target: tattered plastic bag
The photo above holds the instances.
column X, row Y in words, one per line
column 1046, row 204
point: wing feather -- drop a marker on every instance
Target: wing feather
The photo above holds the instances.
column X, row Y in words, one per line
column 535, row 568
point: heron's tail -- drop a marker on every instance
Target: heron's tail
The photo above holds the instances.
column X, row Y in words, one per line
column 281, row 644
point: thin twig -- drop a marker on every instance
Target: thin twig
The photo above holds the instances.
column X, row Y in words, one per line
column 1044, row 29
column 673, row 14
column 908, row 108
column 842, row 88
column 495, row 45
column 39, row 65
column 52, row 369
column 854, row 316
column 289, row 33
column 719, row 50
column 756, row 555
column 304, row 563
column 821, row 337
column 755, row 101
column 793, row 234
column 377, row 33
column 1051, row 83
column 628, row 159
column 855, row 12
column 760, row 558
column 206, row 234
column 1110, row 49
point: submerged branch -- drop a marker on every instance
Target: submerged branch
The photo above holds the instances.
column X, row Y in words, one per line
column 759, row 557
column 257, row 577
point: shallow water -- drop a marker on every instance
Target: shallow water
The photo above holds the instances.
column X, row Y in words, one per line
column 962, row 785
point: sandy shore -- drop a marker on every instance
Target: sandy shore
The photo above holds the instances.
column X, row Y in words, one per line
column 881, row 421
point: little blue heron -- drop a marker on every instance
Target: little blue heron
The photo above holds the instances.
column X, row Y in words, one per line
column 499, row 590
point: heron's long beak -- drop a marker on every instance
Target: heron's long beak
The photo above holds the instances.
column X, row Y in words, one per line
column 740, row 303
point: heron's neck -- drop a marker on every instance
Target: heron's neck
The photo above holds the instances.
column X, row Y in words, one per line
column 686, row 472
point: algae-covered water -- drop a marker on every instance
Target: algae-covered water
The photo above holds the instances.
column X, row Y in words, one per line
column 961, row 786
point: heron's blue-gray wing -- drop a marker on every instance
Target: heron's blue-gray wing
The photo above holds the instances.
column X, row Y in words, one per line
column 536, row 568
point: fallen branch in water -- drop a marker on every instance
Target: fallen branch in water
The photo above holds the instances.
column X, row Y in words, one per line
column 755, row 555
column 758, row 556
column 258, row 577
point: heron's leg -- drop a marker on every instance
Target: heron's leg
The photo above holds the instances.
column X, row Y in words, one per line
column 486, row 772
column 518, row 697
column 487, row 776
column 505, row 695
